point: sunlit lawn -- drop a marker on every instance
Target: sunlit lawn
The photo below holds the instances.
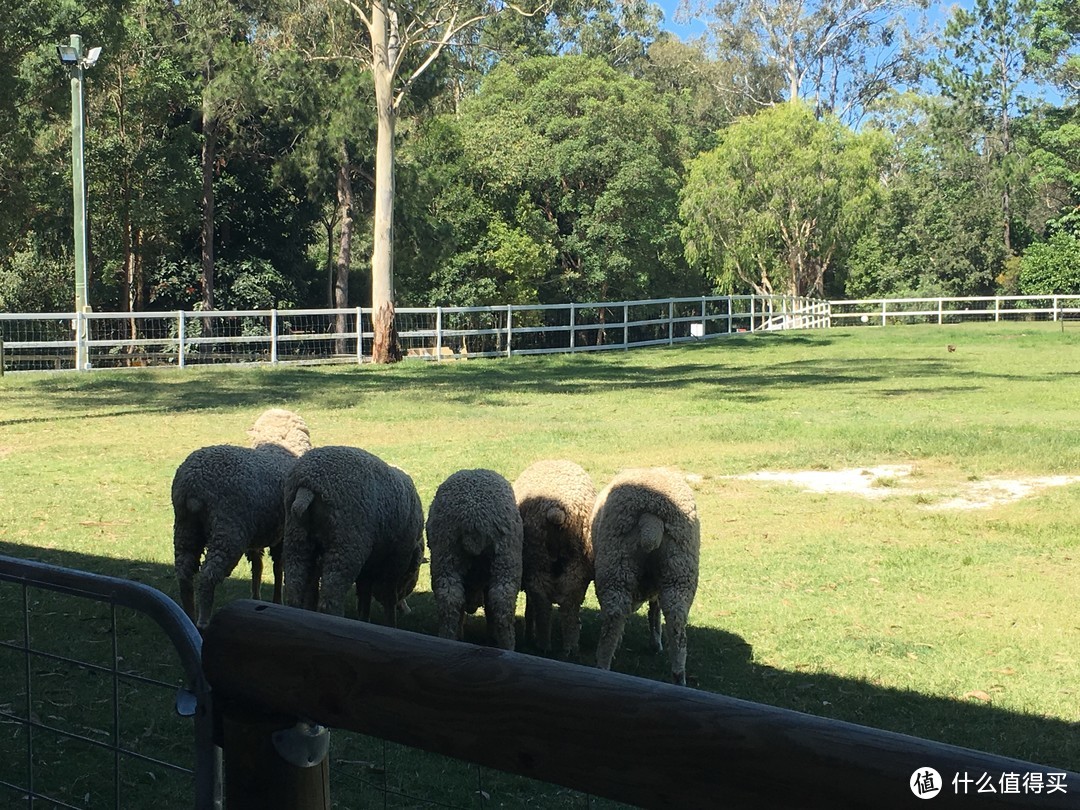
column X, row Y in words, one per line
column 956, row 625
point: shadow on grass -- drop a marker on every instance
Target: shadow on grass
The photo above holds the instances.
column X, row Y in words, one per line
column 718, row 661
column 712, row 370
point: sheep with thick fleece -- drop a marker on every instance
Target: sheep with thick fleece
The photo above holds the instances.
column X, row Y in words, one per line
column 474, row 538
column 351, row 518
column 646, row 542
column 555, row 499
column 227, row 503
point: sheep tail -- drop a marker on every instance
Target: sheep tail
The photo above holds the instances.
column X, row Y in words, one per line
column 301, row 501
column 557, row 516
column 475, row 543
column 651, row 531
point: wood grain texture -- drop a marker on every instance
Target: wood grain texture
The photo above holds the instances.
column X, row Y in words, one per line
column 611, row 735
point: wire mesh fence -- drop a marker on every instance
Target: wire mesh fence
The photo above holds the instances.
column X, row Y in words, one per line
column 95, row 711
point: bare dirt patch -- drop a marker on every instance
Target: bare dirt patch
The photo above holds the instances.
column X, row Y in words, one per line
column 895, row 479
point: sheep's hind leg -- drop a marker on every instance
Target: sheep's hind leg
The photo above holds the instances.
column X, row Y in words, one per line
column 279, row 571
column 450, row 606
column 538, row 619
column 654, row 626
column 676, row 615
column 499, row 611
column 613, row 613
column 255, row 557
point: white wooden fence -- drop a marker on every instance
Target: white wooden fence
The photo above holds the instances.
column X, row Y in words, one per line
column 114, row 339
column 48, row 340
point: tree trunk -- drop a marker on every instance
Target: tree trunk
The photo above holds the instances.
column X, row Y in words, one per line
column 385, row 348
column 344, row 257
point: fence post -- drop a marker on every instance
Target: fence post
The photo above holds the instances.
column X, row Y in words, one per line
column 273, row 337
column 883, row 305
column 997, row 308
column 753, row 301
column 626, row 326
column 509, row 327
column 438, row 334
column 180, row 338
column 256, row 775
column 940, row 311
column 1, row 357
column 729, row 316
column 359, row 336
column 1055, row 309
column 670, row 321
column 572, row 325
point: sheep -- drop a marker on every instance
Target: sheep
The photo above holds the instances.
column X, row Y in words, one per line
column 555, row 499
column 227, row 503
column 474, row 535
column 646, row 541
column 351, row 518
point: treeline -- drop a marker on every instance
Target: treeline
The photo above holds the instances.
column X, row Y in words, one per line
column 546, row 153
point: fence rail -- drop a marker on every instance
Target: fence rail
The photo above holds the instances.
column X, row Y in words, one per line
column 49, row 340
column 121, row 339
column 613, row 736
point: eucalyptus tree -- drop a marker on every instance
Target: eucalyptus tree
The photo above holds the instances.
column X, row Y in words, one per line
column 402, row 41
column 780, row 199
column 981, row 70
column 837, row 55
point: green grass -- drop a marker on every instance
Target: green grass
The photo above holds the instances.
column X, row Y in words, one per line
column 958, row 626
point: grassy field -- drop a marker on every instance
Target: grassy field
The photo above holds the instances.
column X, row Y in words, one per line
column 958, row 625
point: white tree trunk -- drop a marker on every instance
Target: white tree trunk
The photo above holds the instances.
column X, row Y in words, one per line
column 385, row 348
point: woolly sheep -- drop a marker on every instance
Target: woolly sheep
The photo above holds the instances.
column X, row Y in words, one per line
column 227, row 503
column 555, row 499
column 351, row 518
column 474, row 537
column 646, row 540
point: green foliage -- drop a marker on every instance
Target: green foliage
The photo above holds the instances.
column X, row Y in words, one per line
column 557, row 182
column 780, row 200
column 1052, row 266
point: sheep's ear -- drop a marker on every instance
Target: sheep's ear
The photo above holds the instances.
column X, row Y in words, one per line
column 556, row 515
column 301, row 501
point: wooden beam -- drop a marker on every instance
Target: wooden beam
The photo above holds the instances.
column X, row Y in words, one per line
column 610, row 735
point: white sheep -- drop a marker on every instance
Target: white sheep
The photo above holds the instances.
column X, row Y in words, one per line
column 555, row 499
column 351, row 518
column 646, row 542
column 474, row 537
column 227, row 503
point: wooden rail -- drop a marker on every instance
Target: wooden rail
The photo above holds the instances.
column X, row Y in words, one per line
column 615, row 736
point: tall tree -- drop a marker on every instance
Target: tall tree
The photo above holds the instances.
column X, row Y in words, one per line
column 983, row 63
column 557, row 182
column 781, row 198
column 403, row 41
column 837, row 55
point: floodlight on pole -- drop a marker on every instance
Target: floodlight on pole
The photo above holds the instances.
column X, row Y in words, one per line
column 71, row 56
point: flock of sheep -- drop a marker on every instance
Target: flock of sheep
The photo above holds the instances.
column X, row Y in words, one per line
column 336, row 518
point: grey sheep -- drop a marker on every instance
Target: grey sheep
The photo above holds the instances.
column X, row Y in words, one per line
column 227, row 503
column 351, row 518
column 646, row 540
column 474, row 538
column 555, row 499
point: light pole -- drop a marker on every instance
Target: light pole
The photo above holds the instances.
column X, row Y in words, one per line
column 73, row 57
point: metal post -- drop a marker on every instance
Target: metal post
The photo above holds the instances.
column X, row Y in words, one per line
column 626, row 326
column 753, row 298
column 509, row 327
column 572, row 325
column 729, row 315
column 78, row 196
column 670, row 321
